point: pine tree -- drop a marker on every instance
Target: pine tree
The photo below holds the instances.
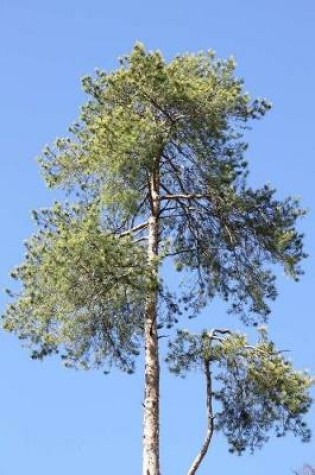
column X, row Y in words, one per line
column 155, row 171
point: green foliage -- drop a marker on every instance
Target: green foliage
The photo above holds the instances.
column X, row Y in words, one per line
column 257, row 389
column 83, row 290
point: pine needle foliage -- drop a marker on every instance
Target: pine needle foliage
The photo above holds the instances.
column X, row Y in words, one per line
column 257, row 389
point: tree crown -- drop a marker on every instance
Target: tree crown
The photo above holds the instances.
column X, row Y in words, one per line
column 86, row 277
column 186, row 118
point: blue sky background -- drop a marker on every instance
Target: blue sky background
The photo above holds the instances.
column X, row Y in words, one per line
column 58, row 421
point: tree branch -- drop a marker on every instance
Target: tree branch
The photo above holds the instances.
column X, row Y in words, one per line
column 222, row 331
column 191, row 196
column 176, row 253
column 133, row 230
column 210, row 423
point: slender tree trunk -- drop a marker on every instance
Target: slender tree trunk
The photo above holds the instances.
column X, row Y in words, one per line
column 210, row 425
column 152, row 371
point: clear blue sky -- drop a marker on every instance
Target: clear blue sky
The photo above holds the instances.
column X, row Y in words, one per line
column 57, row 421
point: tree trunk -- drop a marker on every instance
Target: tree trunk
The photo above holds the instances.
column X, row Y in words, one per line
column 152, row 371
column 210, row 423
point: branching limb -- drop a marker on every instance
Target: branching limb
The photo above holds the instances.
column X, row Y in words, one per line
column 210, row 423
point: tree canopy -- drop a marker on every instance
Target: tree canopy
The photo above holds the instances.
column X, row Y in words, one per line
column 164, row 139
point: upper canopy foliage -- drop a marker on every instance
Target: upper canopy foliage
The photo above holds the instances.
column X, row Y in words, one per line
column 85, row 277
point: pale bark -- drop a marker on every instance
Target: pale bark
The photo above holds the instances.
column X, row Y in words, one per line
column 210, row 423
column 151, row 397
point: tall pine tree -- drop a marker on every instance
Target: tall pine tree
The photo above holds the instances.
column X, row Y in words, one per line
column 155, row 170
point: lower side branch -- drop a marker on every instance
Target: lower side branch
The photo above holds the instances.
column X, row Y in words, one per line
column 210, row 423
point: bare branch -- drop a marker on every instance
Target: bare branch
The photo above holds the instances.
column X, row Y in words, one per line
column 191, row 196
column 176, row 253
column 143, row 238
column 222, row 331
column 135, row 229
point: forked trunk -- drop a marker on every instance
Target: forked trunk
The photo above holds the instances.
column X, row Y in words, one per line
column 151, row 397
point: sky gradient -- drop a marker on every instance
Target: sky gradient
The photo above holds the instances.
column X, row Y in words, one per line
column 59, row 421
